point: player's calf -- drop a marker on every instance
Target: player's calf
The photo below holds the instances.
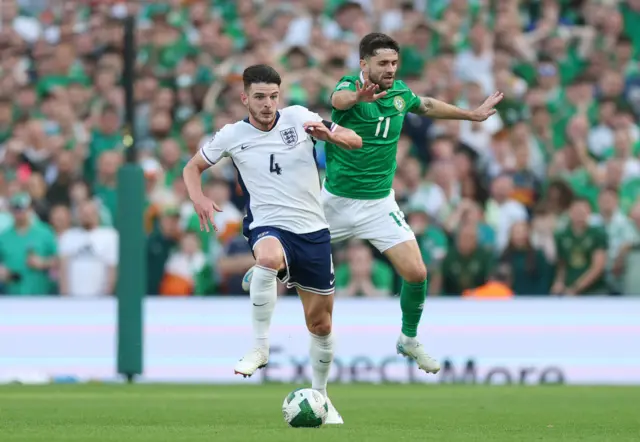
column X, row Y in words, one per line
column 407, row 261
column 318, row 310
column 263, row 293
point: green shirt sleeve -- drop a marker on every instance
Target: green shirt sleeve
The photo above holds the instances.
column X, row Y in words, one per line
column 441, row 246
column 52, row 245
column 488, row 265
column 413, row 100
column 559, row 249
column 345, row 84
column 382, row 276
column 342, row 276
column 601, row 240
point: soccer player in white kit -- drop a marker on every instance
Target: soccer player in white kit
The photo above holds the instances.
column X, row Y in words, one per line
column 273, row 152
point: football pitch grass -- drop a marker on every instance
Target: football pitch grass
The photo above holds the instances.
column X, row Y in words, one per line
column 389, row 413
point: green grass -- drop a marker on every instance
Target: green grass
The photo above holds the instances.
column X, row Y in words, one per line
column 390, row 413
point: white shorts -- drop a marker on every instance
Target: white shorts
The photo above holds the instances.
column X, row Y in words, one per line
column 378, row 221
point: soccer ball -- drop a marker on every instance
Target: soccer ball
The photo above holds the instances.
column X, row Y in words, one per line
column 305, row 408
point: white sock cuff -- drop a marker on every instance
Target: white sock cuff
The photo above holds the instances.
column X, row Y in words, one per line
column 322, row 341
column 266, row 269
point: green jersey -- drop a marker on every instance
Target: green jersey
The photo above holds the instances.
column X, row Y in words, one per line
column 367, row 173
column 576, row 252
column 15, row 247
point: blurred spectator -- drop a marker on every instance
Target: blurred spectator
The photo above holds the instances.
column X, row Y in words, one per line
column 362, row 275
column 568, row 126
column 470, row 212
column 60, row 219
column 184, row 269
column 88, row 256
column 233, row 264
column 105, row 188
column 27, row 251
column 531, row 273
column 620, row 237
column 526, row 184
column 467, row 265
column 160, row 244
column 582, row 254
column 433, row 245
column 440, row 193
column 503, row 211
column 498, row 286
column 61, row 179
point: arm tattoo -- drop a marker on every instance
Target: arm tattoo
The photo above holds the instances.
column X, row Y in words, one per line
column 426, row 105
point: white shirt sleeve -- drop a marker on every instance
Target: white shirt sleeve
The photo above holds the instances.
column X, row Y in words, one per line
column 305, row 114
column 111, row 251
column 64, row 244
column 216, row 147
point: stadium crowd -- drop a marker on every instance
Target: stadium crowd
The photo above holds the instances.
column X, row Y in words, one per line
column 541, row 199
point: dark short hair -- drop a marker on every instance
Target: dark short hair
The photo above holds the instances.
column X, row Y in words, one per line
column 110, row 109
column 445, row 139
column 624, row 40
column 609, row 189
column 260, row 73
column 580, row 200
column 372, row 43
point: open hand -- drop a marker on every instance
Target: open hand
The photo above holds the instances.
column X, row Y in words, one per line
column 486, row 109
column 36, row 262
column 367, row 92
column 206, row 208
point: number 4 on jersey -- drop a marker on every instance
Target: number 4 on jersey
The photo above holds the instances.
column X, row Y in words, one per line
column 274, row 167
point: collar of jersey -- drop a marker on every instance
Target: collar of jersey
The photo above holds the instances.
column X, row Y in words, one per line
column 246, row 120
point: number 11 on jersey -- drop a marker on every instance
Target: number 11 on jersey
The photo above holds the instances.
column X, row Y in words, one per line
column 386, row 126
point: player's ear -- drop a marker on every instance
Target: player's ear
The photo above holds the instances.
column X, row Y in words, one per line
column 245, row 98
column 363, row 64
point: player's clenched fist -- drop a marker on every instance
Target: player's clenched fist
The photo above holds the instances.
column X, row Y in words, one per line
column 206, row 208
column 318, row 130
column 367, row 92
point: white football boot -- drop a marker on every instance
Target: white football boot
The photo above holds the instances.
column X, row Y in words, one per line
column 333, row 417
column 255, row 359
column 246, row 280
column 413, row 349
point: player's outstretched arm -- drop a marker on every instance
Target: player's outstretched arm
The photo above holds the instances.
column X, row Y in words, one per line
column 192, row 175
column 433, row 108
column 334, row 134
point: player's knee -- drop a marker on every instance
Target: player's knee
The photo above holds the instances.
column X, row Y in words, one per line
column 320, row 328
column 319, row 325
column 416, row 273
column 270, row 258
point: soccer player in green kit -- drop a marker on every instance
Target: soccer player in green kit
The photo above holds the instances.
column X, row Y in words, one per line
column 358, row 199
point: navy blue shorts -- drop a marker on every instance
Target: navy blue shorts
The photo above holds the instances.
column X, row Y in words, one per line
column 309, row 265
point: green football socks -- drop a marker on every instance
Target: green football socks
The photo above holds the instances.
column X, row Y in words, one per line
column 412, row 298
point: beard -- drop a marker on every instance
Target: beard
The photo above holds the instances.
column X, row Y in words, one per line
column 160, row 133
column 261, row 118
column 383, row 83
column 88, row 225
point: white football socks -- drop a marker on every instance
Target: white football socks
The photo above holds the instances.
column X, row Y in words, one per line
column 263, row 293
column 406, row 340
column 321, row 354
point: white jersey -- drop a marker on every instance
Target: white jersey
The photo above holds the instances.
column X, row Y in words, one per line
column 90, row 255
column 277, row 170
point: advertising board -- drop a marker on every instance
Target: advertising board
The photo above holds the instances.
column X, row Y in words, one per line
column 521, row 341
